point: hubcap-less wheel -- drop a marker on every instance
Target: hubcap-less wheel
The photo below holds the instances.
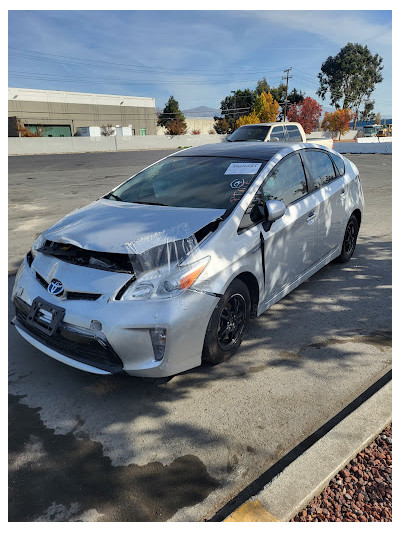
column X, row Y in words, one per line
column 231, row 321
column 350, row 238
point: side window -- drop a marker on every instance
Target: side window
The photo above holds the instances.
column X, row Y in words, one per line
column 294, row 134
column 277, row 134
column 339, row 164
column 321, row 167
column 287, row 182
column 253, row 215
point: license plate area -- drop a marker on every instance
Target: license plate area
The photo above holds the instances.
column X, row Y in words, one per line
column 45, row 316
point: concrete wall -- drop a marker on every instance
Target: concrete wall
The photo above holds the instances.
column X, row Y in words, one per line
column 204, row 124
column 374, row 140
column 350, row 135
column 65, row 145
column 363, row 148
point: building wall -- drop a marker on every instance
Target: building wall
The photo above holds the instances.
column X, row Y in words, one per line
column 80, row 110
column 204, row 124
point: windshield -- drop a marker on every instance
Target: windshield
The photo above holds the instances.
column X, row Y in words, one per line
column 250, row 133
column 201, row 182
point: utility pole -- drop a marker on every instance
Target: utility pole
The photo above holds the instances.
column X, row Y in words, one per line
column 287, row 70
column 234, row 105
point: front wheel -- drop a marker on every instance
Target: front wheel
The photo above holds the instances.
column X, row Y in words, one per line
column 350, row 240
column 227, row 324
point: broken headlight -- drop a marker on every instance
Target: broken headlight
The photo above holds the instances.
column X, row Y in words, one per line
column 165, row 282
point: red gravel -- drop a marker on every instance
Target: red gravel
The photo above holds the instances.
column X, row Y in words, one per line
column 361, row 492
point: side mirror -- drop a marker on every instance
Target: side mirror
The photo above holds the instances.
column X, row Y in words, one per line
column 274, row 139
column 275, row 209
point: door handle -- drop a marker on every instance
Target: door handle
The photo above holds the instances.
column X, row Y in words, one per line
column 343, row 193
column 311, row 216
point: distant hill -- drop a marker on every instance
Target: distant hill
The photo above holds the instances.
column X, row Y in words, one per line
column 201, row 111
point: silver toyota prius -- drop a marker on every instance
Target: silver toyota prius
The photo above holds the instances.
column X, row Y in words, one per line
column 164, row 271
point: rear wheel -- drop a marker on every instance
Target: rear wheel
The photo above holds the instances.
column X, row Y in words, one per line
column 227, row 324
column 350, row 240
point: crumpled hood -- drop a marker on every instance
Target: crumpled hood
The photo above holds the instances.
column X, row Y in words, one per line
column 111, row 226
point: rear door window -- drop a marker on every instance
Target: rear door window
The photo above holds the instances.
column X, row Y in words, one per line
column 320, row 166
column 277, row 134
column 287, row 182
column 294, row 134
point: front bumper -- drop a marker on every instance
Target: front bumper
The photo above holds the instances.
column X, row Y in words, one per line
column 124, row 343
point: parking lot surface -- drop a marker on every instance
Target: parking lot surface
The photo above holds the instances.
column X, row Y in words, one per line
column 84, row 447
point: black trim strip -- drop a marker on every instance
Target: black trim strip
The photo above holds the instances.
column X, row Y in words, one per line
column 262, row 254
column 258, row 484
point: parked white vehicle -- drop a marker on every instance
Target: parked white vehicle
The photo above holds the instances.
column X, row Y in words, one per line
column 290, row 132
column 164, row 271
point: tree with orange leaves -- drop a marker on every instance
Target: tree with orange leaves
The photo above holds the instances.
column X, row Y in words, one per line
column 338, row 123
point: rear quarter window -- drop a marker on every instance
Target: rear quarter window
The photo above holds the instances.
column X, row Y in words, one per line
column 339, row 163
column 294, row 134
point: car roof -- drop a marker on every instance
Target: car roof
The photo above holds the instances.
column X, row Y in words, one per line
column 243, row 150
column 271, row 124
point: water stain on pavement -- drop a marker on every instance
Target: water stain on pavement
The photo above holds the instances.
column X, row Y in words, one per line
column 65, row 478
column 379, row 339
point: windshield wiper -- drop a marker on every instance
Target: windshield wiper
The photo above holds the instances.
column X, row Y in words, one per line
column 148, row 203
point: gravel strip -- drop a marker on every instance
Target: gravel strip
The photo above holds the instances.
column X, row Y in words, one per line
column 361, row 492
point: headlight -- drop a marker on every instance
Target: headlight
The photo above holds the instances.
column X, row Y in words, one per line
column 165, row 282
column 37, row 244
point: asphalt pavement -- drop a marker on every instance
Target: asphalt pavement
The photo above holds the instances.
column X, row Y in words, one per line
column 91, row 448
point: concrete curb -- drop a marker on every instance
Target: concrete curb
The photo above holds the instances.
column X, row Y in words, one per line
column 291, row 491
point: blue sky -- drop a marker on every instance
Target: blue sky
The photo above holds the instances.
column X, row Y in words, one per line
column 197, row 56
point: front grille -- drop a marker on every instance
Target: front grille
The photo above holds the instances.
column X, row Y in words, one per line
column 71, row 344
column 90, row 296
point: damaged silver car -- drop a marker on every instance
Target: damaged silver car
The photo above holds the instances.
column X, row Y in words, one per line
column 164, row 271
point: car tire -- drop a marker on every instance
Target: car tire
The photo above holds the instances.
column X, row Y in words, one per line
column 227, row 324
column 349, row 240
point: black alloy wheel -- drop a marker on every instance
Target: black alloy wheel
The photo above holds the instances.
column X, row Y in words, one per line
column 227, row 324
column 350, row 240
column 231, row 322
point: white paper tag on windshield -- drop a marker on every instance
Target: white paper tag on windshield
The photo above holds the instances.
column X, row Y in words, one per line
column 242, row 168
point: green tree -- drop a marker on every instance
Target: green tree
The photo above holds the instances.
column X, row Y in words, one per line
column 350, row 77
column 367, row 113
column 262, row 86
column 171, row 112
column 238, row 104
column 294, row 97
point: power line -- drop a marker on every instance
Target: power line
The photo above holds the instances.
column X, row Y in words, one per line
column 121, row 66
